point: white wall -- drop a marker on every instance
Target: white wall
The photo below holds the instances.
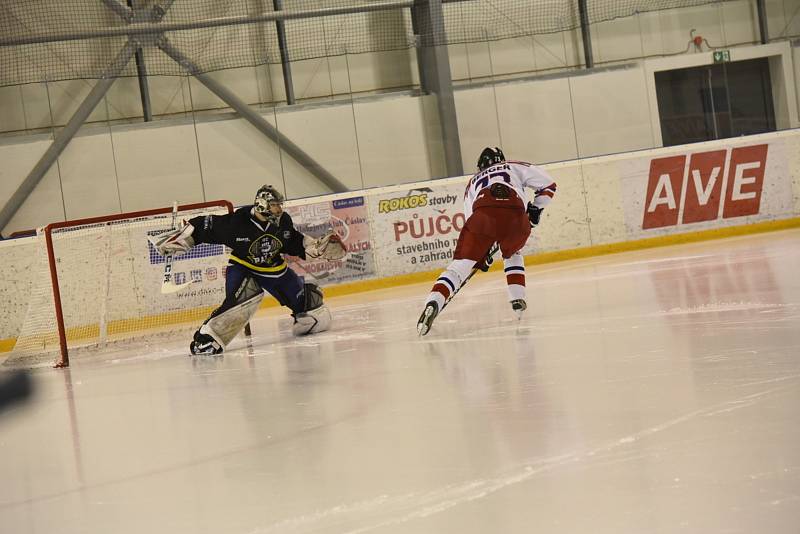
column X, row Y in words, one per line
column 611, row 112
column 557, row 118
column 88, row 177
column 45, row 203
column 535, row 119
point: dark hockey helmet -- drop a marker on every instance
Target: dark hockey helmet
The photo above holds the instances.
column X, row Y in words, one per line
column 489, row 157
column 265, row 197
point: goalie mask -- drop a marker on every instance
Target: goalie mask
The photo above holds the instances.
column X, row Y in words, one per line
column 489, row 157
column 268, row 203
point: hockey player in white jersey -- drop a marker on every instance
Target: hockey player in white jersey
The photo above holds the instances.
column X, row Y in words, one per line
column 496, row 212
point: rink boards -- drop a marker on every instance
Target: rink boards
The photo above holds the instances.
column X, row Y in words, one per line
column 403, row 233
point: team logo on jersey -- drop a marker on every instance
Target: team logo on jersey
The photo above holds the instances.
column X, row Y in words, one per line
column 264, row 249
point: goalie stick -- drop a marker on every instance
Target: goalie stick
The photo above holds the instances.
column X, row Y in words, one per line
column 168, row 285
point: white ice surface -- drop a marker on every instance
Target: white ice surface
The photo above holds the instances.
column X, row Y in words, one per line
column 655, row 391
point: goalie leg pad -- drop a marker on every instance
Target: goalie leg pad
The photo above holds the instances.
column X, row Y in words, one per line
column 313, row 296
column 237, row 310
column 312, row 321
column 316, row 317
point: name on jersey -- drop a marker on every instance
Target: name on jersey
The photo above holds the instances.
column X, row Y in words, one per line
column 491, row 170
column 481, row 180
column 413, row 201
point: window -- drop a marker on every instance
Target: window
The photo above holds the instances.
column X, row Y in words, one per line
column 715, row 101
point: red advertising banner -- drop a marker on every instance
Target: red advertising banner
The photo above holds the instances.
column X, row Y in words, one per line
column 663, row 192
column 686, row 190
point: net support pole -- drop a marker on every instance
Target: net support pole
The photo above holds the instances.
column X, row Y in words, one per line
column 62, row 138
column 763, row 29
column 586, row 37
column 435, row 76
column 280, row 27
column 294, row 151
column 144, row 89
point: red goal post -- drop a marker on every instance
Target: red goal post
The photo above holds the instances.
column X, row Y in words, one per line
column 105, row 280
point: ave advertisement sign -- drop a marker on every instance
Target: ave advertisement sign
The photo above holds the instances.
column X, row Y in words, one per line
column 702, row 189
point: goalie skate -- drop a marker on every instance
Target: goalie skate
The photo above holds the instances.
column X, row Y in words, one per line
column 204, row 344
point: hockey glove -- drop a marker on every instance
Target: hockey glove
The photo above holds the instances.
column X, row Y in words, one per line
column 485, row 263
column 534, row 214
column 174, row 241
column 328, row 247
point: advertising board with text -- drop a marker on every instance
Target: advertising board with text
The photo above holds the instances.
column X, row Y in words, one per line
column 348, row 218
column 699, row 189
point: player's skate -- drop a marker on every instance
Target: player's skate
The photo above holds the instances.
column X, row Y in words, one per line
column 204, row 344
column 519, row 306
column 426, row 319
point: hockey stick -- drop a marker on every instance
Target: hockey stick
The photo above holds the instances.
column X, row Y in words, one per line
column 168, row 286
column 489, row 253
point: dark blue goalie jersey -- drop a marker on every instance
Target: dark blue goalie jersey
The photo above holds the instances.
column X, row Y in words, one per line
column 257, row 245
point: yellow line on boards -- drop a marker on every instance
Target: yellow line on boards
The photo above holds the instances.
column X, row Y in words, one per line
column 663, row 241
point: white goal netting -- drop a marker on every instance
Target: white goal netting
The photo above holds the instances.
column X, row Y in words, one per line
column 109, row 280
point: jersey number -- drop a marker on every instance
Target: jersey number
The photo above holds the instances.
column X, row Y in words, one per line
column 484, row 181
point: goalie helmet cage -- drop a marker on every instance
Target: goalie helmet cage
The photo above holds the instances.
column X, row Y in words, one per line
column 123, row 300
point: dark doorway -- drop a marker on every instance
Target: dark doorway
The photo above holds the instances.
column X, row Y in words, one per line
column 715, row 101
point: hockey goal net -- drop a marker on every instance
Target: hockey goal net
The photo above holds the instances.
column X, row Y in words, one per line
column 98, row 282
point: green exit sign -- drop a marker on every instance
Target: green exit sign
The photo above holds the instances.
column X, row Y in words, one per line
column 722, row 56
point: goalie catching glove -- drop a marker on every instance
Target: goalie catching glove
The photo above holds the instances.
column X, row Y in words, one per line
column 328, row 247
column 176, row 241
